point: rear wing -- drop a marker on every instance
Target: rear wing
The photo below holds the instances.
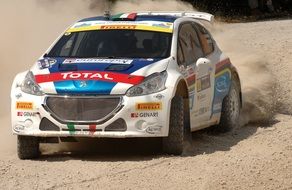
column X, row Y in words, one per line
column 197, row 15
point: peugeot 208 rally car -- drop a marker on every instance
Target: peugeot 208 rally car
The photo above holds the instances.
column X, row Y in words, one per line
column 147, row 74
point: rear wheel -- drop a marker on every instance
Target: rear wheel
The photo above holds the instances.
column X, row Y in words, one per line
column 27, row 147
column 230, row 109
column 179, row 130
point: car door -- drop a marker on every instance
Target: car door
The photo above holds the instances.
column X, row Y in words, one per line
column 189, row 51
column 200, row 79
column 205, row 77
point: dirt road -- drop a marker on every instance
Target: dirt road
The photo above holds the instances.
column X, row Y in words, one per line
column 255, row 156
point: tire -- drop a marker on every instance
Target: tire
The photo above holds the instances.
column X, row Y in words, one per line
column 27, row 147
column 179, row 131
column 230, row 112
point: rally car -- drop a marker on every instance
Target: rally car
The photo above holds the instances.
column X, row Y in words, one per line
column 146, row 74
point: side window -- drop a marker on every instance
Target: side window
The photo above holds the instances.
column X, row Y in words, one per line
column 206, row 39
column 189, row 48
column 180, row 55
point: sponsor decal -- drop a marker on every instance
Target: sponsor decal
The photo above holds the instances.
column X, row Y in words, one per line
column 19, row 95
column 202, row 96
column 144, row 114
column 149, row 106
column 158, row 96
column 82, row 25
column 190, row 76
column 154, row 129
column 221, row 84
column 89, row 75
column 191, row 71
column 161, row 25
column 27, row 114
column 191, row 80
column 203, row 83
column 203, row 110
column 122, row 25
column 217, row 106
column 109, row 61
column 116, row 27
column 24, row 105
column 192, row 101
column 46, row 63
column 18, row 128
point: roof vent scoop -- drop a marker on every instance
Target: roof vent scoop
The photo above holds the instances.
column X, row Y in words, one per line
column 107, row 15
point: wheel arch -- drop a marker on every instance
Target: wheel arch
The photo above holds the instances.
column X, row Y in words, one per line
column 182, row 90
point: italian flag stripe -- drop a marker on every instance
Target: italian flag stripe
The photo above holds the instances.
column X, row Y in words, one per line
column 132, row 16
column 117, row 16
column 125, row 15
column 71, row 127
column 92, row 129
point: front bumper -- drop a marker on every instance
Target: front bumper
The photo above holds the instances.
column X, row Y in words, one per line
column 140, row 116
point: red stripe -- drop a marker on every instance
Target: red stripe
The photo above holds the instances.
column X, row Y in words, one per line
column 90, row 75
column 132, row 16
column 222, row 63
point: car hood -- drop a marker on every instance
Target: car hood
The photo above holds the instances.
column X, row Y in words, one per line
column 93, row 76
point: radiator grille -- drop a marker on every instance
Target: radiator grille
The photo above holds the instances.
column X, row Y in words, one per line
column 82, row 109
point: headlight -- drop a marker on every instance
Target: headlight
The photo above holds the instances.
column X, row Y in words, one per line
column 152, row 84
column 30, row 86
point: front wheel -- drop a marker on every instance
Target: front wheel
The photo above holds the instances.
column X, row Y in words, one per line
column 230, row 109
column 179, row 130
column 27, row 147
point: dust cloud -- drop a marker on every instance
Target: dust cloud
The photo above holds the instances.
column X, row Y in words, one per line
column 150, row 5
column 257, row 81
column 27, row 30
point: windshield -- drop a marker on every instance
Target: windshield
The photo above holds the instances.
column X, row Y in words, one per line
column 113, row 44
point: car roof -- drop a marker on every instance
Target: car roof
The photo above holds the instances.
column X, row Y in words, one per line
column 159, row 18
column 153, row 16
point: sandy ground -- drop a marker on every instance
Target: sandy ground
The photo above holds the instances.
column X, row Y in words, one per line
column 257, row 155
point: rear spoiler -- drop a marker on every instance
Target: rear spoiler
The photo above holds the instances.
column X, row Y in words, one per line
column 197, row 15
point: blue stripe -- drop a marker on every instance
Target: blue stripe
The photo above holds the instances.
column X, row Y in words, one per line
column 161, row 18
column 102, row 18
column 222, row 85
column 92, row 87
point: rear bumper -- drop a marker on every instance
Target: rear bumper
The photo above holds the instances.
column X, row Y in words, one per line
column 141, row 116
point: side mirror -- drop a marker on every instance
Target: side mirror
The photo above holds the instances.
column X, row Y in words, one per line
column 203, row 66
column 203, row 61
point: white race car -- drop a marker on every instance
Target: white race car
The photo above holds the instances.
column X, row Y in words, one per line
column 146, row 74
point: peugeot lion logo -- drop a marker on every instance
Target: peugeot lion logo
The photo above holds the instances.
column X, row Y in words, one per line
column 83, row 84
